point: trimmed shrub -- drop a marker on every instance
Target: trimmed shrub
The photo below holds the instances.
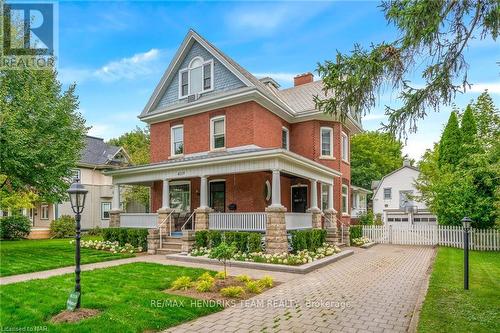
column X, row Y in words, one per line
column 14, row 227
column 355, row 231
column 136, row 237
column 243, row 278
column 94, row 231
column 182, row 283
column 266, row 281
column 307, row 239
column 204, row 286
column 63, row 227
column 245, row 242
column 254, row 287
column 233, row 292
column 201, row 239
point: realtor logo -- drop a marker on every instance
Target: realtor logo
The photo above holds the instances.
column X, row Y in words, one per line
column 28, row 34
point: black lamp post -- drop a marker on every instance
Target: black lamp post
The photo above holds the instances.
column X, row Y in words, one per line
column 77, row 194
column 466, row 223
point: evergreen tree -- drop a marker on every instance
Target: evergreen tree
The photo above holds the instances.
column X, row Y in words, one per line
column 450, row 146
column 487, row 118
column 469, row 134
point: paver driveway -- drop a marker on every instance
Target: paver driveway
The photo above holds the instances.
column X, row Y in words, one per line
column 374, row 290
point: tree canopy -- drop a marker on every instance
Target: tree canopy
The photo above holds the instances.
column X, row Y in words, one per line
column 41, row 134
column 432, row 38
column 373, row 155
column 467, row 183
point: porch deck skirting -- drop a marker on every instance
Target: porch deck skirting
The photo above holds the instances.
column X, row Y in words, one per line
column 255, row 221
column 138, row 220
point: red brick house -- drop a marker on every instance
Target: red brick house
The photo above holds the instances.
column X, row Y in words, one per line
column 230, row 145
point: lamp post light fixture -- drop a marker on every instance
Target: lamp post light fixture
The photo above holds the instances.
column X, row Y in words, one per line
column 466, row 223
column 77, row 194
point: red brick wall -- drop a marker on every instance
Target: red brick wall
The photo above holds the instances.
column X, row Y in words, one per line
column 249, row 123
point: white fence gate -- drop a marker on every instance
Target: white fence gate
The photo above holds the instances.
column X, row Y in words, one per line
column 479, row 239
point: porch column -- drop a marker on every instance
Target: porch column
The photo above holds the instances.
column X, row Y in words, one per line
column 202, row 213
column 114, row 214
column 203, row 192
column 314, row 210
column 165, row 198
column 314, row 194
column 276, row 189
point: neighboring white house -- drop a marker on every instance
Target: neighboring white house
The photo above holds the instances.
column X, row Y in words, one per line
column 358, row 201
column 394, row 198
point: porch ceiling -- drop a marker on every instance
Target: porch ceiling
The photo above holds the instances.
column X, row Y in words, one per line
column 228, row 162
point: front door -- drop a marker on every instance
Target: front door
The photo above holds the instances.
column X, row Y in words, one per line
column 218, row 196
column 299, row 199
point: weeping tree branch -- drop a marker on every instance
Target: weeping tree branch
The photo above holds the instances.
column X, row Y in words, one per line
column 433, row 33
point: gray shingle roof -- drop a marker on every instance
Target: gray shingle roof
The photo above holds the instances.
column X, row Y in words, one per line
column 301, row 98
column 97, row 152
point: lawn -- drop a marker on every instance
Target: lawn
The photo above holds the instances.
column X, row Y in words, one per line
column 450, row 308
column 25, row 256
column 128, row 296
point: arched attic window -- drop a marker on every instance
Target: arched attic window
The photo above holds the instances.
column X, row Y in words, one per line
column 197, row 78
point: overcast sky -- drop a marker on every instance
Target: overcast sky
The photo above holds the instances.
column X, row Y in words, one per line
column 116, row 52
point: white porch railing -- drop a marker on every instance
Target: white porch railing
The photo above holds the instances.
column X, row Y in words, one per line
column 295, row 221
column 237, row 221
column 138, row 220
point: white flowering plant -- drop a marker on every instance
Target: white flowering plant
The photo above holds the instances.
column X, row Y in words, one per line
column 299, row 258
column 113, row 247
column 360, row 241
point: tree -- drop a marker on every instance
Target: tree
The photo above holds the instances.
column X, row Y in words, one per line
column 41, row 133
column 373, row 155
column 433, row 38
column 468, row 185
column 450, row 145
column 136, row 143
column 487, row 118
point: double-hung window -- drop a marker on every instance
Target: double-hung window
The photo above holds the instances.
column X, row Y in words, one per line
column 326, row 142
column 345, row 147
column 345, row 201
column 105, row 208
column 177, row 140
column 387, row 193
column 217, row 133
column 197, row 78
column 285, row 137
column 45, row 212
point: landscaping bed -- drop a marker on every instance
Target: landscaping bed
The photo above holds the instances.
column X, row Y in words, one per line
column 224, row 291
column 129, row 298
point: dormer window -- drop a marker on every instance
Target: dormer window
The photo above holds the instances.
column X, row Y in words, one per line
column 197, row 78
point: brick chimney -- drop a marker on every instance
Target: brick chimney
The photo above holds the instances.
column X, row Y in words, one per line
column 303, row 79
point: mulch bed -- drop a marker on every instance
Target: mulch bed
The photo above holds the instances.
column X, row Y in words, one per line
column 215, row 293
column 74, row 316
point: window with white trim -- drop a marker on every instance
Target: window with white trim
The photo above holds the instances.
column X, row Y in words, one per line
column 285, row 138
column 324, row 196
column 217, row 132
column 197, row 78
column 105, row 208
column 44, row 214
column 387, row 193
column 345, row 199
column 326, row 141
column 180, row 196
column 177, row 140
column 345, row 147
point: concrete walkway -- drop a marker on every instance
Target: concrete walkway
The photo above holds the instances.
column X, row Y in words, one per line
column 159, row 259
column 375, row 290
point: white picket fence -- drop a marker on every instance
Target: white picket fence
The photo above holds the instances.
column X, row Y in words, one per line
column 237, row 221
column 453, row 236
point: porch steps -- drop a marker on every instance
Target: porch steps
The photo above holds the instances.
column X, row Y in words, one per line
column 171, row 245
column 39, row 233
